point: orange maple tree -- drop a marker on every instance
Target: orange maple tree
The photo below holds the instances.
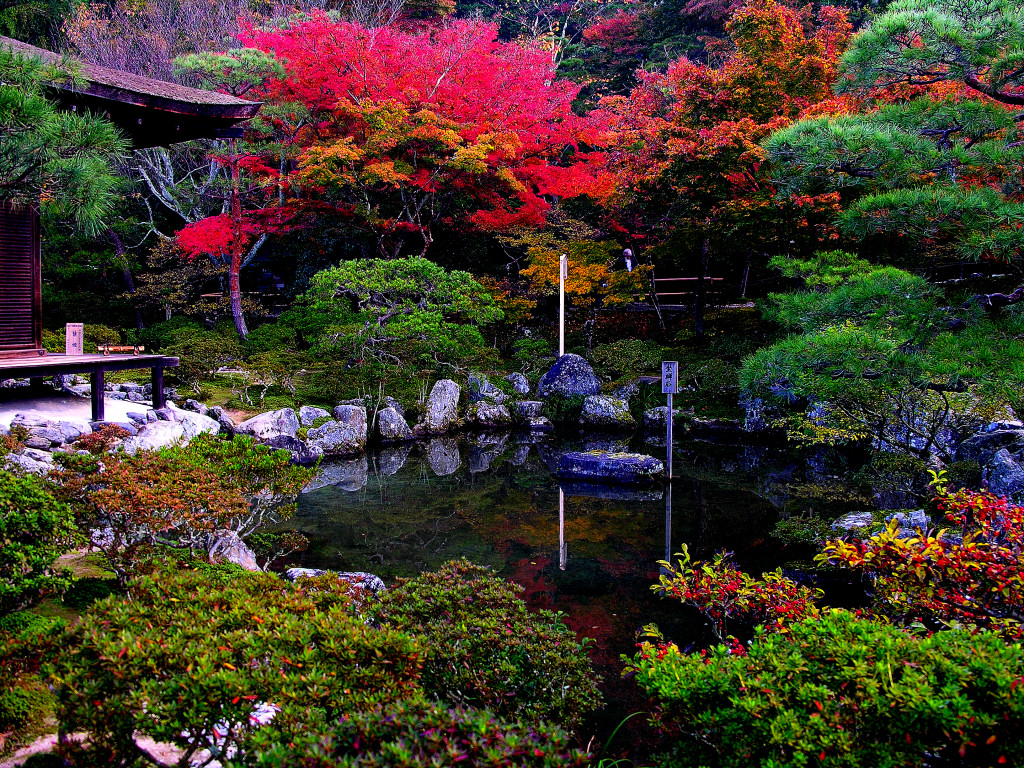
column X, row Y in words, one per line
column 687, row 156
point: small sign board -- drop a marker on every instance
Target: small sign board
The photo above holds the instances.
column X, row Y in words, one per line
column 563, row 266
column 669, row 377
column 74, row 339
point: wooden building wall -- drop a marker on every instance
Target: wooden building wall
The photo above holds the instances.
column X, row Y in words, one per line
column 21, row 324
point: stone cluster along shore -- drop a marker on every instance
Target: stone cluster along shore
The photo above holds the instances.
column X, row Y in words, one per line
column 311, row 433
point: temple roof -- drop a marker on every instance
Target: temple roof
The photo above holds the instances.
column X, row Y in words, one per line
column 151, row 112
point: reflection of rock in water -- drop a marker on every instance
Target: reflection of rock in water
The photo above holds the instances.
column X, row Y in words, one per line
column 550, row 455
column 390, row 460
column 487, row 448
column 605, row 442
column 443, row 455
column 530, row 437
column 612, row 492
column 520, row 455
column 349, row 475
column 489, row 440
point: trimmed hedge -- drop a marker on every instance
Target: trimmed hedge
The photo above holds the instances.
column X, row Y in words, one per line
column 486, row 649
column 418, row 734
column 840, row 691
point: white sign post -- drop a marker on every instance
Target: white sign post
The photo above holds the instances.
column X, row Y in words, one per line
column 563, row 274
column 669, row 386
column 74, row 339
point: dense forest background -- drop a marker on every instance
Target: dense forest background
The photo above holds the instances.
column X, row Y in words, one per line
column 397, row 210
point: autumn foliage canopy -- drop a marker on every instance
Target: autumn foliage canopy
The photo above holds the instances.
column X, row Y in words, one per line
column 404, row 129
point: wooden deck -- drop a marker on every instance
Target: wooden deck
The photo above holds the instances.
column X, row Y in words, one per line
column 96, row 366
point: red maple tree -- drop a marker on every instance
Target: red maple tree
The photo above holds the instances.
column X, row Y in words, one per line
column 407, row 128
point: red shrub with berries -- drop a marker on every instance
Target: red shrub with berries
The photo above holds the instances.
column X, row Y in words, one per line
column 970, row 576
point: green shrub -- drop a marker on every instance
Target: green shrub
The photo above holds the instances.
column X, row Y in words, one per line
column 532, row 355
column 417, row 734
column 25, row 705
column 840, row 691
column 92, row 337
column 26, row 624
column 182, row 653
column 85, row 592
column 200, row 353
column 627, row 358
column 802, row 530
column 564, row 409
column 269, row 337
column 485, row 649
column 35, row 529
column 964, row 474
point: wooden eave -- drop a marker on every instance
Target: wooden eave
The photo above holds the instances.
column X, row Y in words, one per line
column 150, row 112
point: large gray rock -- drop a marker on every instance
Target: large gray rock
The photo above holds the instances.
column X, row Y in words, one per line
column 1006, row 476
column 154, row 436
column 196, row 424
column 270, row 424
column 657, row 418
column 488, row 415
column 983, row 446
column 310, row 413
column 610, row 467
column 37, row 455
column 442, row 409
column 910, row 522
column 604, row 412
column 227, row 424
column 228, row 547
column 359, row 579
column 527, row 409
column 40, row 443
column 302, row 454
column 20, row 463
column 570, row 375
column 392, row 427
column 443, row 455
column 520, row 384
column 193, row 405
column 853, row 521
column 1006, row 424
column 479, row 389
column 344, row 437
column 57, row 431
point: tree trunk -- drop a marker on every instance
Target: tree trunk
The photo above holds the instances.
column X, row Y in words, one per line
column 588, row 329
column 237, row 249
column 746, row 274
column 129, row 281
column 700, row 299
column 992, row 301
column 234, row 290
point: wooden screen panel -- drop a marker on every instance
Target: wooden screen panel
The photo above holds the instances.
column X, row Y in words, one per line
column 20, row 294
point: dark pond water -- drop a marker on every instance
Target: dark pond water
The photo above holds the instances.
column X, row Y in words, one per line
column 588, row 551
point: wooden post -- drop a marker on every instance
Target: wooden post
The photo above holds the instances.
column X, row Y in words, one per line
column 97, row 394
column 158, row 386
column 563, row 273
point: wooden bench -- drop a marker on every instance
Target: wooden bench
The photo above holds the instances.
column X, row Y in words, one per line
column 709, row 292
column 121, row 349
